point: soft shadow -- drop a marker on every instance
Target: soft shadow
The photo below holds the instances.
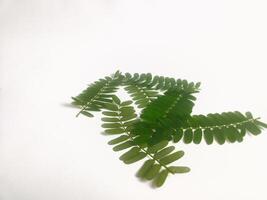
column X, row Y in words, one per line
column 69, row 105
column 103, row 133
column 142, row 180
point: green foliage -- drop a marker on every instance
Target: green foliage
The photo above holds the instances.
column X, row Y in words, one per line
column 97, row 94
column 160, row 83
column 175, row 104
column 169, row 110
column 159, row 156
column 144, row 88
column 225, row 127
column 166, row 106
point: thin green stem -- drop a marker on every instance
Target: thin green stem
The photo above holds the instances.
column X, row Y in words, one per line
column 222, row 126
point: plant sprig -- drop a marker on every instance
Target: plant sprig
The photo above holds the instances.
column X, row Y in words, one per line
column 166, row 117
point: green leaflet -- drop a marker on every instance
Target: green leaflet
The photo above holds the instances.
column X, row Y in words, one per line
column 249, row 115
column 261, row 124
column 126, row 103
column 108, row 113
column 219, row 136
column 172, row 157
column 130, row 117
column 87, row 114
column 136, row 158
column 159, row 181
column 144, row 169
column 123, row 146
column 164, row 152
column 130, row 154
column 157, row 147
column 111, row 107
column 116, row 99
column 197, row 136
column 208, row 136
column 118, row 139
column 188, row 136
column 230, row 134
column 152, row 172
column 179, row 169
column 127, row 111
column 109, row 119
column 111, row 125
column 166, row 106
column 177, row 135
column 252, row 128
column 114, row 131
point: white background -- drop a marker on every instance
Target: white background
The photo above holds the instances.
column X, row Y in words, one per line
column 50, row 51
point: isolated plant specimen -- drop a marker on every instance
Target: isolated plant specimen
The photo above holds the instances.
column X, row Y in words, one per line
column 166, row 117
